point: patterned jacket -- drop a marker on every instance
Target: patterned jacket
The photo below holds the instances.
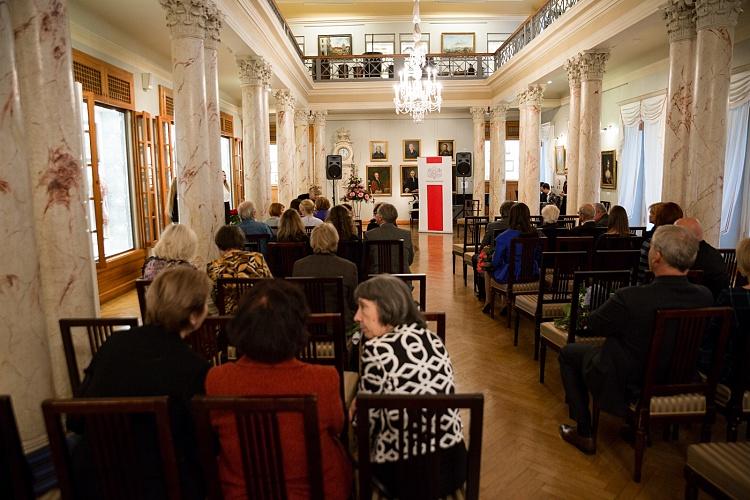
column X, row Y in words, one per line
column 237, row 264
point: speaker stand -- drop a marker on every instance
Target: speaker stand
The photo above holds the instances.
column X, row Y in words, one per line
column 333, row 181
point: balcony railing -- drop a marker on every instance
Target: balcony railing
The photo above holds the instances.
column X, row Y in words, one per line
column 287, row 28
column 386, row 67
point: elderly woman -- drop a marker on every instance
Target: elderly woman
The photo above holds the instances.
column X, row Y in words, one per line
column 324, row 263
column 322, row 206
column 550, row 224
column 401, row 356
column 274, row 212
column 176, row 247
column 152, row 360
column 269, row 367
column 342, row 220
column 306, row 209
column 291, row 229
column 250, row 226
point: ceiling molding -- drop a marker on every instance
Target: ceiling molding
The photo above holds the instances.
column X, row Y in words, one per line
column 307, row 22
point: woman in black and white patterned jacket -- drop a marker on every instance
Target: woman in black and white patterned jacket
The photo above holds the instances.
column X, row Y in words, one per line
column 401, row 356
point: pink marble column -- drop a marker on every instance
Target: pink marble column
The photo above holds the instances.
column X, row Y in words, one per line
column 46, row 256
column 497, row 157
column 589, row 143
column 302, row 150
column 530, row 106
column 477, row 116
column 715, row 23
column 573, row 69
column 285, row 146
column 210, row 52
column 255, row 76
column 680, row 20
column 195, row 177
column 319, row 148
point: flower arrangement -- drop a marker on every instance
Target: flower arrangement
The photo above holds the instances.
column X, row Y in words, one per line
column 234, row 218
column 354, row 190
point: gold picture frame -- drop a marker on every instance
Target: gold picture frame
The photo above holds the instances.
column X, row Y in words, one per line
column 411, row 154
column 457, row 43
column 409, row 184
column 446, row 147
column 379, row 180
column 560, row 166
column 609, row 169
column 378, row 151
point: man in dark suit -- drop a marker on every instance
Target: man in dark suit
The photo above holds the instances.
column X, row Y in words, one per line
column 587, row 226
column 411, row 184
column 708, row 260
column 411, row 152
column 378, row 153
column 388, row 214
column 614, row 371
column 601, row 217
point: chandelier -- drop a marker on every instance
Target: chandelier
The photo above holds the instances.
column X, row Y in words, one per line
column 418, row 91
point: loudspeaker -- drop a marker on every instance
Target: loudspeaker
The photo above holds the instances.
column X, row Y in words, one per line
column 333, row 167
column 463, row 164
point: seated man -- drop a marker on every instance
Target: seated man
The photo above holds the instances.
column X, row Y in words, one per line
column 388, row 231
column 601, row 217
column 250, row 226
column 708, row 260
column 614, row 371
column 587, row 226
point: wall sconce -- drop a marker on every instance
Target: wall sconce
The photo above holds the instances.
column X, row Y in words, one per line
column 146, row 82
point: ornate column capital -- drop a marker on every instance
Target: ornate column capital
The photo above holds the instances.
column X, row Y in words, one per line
column 498, row 112
column 680, row 19
column 532, row 96
column 573, row 68
column 301, row 117
column 477, row 114
column 319, row 118
column 716, row 13
column 254, row 70
column 592, row 64
column 213, row 26
column 283, row 98
column 186, row 18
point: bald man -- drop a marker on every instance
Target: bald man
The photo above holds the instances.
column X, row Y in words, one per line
column 587, row 226
column 708, row 260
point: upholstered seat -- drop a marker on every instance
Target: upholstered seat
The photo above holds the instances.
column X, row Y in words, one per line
column 559, row 337
column 724, row 465
column 723, row 393
column 468, row 256
column 528, row 304
column 351, row 381
column 531, row 286
column 682, row 404
column 458, row 247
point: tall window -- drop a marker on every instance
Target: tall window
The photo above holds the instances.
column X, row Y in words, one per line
column 226, row 161
column 495, row 40
column 274, row 166
column 511, row 160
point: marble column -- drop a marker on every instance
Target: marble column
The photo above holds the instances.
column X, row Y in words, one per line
column 715, row 21
column 302, row 149
column 285, row 146
column 530, row 106
column 497, row 158
column 47, row 265
column 255, row 76
column 573, row 68
column 211, row 57
column 589, row 143
column 186, row 20
column 319, row 149
column 477, row 116
column 680, row 20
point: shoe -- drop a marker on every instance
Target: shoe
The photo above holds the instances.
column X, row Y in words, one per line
column 504, row 311
column 570, row 435
column 486, row 308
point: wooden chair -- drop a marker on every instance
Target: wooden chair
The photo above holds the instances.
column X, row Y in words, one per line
column 639, row 231
column 619, row 243
column 601, row 285
column 257, row 242
column 282, row 256
column 733, row 396
column 471, row 208
column 258, row 430
column 141, row 287
column 358, row 225
column 420, row 415
column 326, row 345
column 384, row 256
column 16, row 477
column 729, row 256
column 694, row 276
column 439, row 319
column 210, row 340
column 719, row 469
column 309, row 230
column 672, row 391
column 410, row 279
column 536, row 220
column 98, row 330
column 352, row 251
column 472, row 239
column 530, row 250
column 113, row 438
column 555, row 288
column 567, row 224
column 324, row 295
column 231, row 290
column 575, row 244
column 616, row 260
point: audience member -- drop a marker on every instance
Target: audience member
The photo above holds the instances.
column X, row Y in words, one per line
column 250, row 226
column 312, row 194
column 708, row 260
column 614, row 372
column 324, row 263
column 342, row 220
column 543, row 192
column 601, row 217
column 387, row 230
column 401, row 356
column 652, row 211
column 550, row 225
column 274, row 213
column 587, row 226
column 306, row 209
column 665, row 213
column 374, row 222
column 498, row 225
column 152, row 360
column 294, row 204
column 322, row 206
column 617, row 225
column 176, row 247
column 291, row 229
column 269, row 330
column 227, row 197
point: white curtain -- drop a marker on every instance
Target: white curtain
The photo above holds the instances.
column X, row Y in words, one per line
column 631, row 155
column 653, row 114
column 547, row 154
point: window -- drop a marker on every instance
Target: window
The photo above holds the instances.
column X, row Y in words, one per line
column 406, row 42
column 495, row 40
column 300, row 43
column 384, row 43
column 511, row 160
column 274, row 166
column 226, row 161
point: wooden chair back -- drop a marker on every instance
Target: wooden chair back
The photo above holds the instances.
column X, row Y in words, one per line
column 729, row 256
column 326, row 344
column 257, row 242
column 410, row 279
column 141, row 287
column 567, row 224
column 574, row 244
column 474, row 227
column 282, row 256
column 258, row 421
column 352, row 251
column 597, row 286
column 98, row 330
column 536, row 220
column 556, row 276
column 439, row 319
column 471, row 208
column 615, row 260
column 358, row 226
column 384, row 256
column 210, row 340
column 639, row 231
column 309, row 230
column 15, row 475
column 529, row 249
column 113, row 434
column 420, row 432
column 232, row 288
column 324, row 295
column 619, row 243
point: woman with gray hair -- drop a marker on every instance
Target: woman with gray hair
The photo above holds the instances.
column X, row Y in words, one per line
column 401, row 356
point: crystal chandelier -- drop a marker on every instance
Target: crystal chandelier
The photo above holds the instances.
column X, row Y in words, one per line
column 415, row 94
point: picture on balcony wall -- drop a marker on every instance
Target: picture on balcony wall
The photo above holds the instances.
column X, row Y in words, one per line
column 406, row 42
column 560, row 160
column 411, row 149
column 409, row 180
column 334, row 45
column 445, row 148
column 609, row 170
column 379, row 179
column 457, row 43
column 378, row 150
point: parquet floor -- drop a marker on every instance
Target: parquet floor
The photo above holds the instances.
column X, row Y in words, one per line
column 523, row 456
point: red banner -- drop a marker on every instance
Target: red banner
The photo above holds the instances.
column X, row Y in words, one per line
column 434, row 206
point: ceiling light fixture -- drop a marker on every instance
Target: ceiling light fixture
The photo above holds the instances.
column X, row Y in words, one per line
column 413, row 94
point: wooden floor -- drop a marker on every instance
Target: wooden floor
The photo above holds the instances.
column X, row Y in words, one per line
column 523, row 455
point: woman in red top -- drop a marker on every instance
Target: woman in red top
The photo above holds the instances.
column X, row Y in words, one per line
column 270, row 329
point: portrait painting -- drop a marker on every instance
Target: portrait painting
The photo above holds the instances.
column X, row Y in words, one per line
column 378, row 150
column 457, row 43
column 379, row 180
column 445, row 148
column 609, row 170
column 334, row 45
column 409, row 180
column 560, row 160
column 411, row 149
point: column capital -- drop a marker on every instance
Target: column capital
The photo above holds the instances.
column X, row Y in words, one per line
column 213, row 26
column 477, row 114
column 301, row 116
column 532, row 96
column 498, row 112
column 680, row 19
column 592, row 64
column 186, row 18
column 319, row 118
column 573, row 68
column 716, row 13
column 254, row 70
column 283, row 98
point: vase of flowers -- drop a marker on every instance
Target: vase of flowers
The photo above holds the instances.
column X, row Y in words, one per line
column 355, row 193
column 234, row 218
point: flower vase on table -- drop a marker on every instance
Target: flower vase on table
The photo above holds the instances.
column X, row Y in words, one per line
column 356, row 194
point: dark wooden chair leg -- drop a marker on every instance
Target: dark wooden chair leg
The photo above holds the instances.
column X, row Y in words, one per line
column 733, row 422
column 691, row 484
column 465, row 273
column 537, row 339
column 640, row 448
column 454, row 263
column 515, row 328
column 509, row 305
column 492, row 298
column 706, row 429
column 594, row 418
column 542, row 361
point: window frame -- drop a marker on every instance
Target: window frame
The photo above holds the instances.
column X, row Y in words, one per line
column 372, row 41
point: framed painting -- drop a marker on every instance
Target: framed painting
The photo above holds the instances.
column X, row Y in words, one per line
column 609, row 170
column 406, row 42
column 560, row 160
column 378, row 150
column 379, row 180
column 409, row 180
column 457, row 43
column 334, row 45
column 411, row 149
column 445, row 148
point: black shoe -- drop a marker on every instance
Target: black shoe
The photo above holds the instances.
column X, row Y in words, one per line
column 481, row 297
column 504, row 311
column 570, row 435
column 486, row 308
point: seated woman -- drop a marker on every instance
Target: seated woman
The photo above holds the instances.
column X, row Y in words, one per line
column 306, row 208
column 401, row 356
column 324, row 263
column 291, row 229
column 342, row 220
column 274, row 212
column 617, row 226
column 176, row 247
column 550, row 224
column 152, row 360
column 270, row 329
column 235, row 262
column 322, row 206
column 665, row 213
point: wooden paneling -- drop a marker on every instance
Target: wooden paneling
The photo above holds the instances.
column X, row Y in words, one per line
column 227, row 124
column 107, row 83
column 166, row 103
column 119, row 275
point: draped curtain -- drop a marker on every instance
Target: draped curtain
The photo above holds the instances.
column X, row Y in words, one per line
column 653, row 114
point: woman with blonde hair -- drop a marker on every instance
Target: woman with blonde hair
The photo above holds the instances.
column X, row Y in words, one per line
column 176, row 247
column 291, row 228
column 306, row 208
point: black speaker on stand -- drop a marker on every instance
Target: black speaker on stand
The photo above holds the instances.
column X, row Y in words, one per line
column 463, row 170
column 334, row 171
